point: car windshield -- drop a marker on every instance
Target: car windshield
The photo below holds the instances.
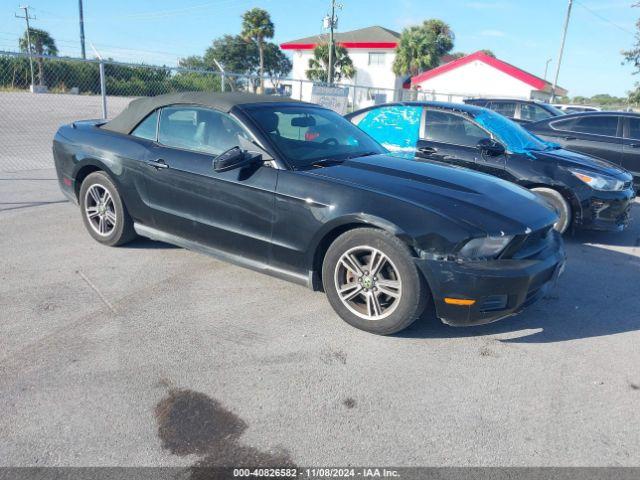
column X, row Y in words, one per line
column 513, row 136
column 556, row 111
column 306, row 135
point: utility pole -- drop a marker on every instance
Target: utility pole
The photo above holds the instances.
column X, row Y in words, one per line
column 84, row 55
column 27, row 18
column 332, row 22
column 546, row 67
column 564, row 37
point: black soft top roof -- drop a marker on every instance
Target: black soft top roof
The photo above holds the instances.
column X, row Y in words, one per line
column 138, row 109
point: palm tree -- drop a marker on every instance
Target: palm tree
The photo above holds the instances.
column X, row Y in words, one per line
column 319, row 64
column 41, row 44
column 256, row 27
column 422, row 46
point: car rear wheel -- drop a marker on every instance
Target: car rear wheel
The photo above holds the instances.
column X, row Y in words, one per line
column 559, row 205
column 103, row 213
column 372, row 282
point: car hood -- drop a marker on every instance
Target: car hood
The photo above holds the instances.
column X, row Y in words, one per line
column 569, row 159
column 466, row 197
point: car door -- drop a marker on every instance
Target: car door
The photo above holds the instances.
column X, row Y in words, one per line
column 232, row 210
column 631, row 145
column 593, row 134
column 452, row 138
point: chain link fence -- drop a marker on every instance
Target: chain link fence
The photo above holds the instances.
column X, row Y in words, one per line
column 39, row 93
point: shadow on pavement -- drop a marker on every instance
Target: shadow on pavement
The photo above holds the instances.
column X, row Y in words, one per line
column 597, row 296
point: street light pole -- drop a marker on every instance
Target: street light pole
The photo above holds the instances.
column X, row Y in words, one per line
column 564, row 37
column 546, row 67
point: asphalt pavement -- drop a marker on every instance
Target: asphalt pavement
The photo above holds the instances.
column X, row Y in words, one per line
column 152, row 355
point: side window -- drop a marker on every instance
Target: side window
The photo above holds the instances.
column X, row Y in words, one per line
column 508, row 109
column 454, row 129
column 147, row 127
column 533, row 113
column 199, row 129
column 634, row 129
column 595, row 125
column 396, row 127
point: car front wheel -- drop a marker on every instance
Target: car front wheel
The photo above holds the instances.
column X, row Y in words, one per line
column 558, row 204
column 372, row 282
column 103, row 213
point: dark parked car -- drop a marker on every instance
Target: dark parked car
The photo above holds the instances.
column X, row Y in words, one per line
column 235, row 176
column 521, row 111
column 613, row 136
column 585, row 192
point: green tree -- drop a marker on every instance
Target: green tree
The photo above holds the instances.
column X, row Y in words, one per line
column 319, row 64
column 457, row 55
column 256, row 27
column 276, row 63
column 632, row 56
column 421, row 47
column 235, row 55
column 42, row 43
column 194, row 62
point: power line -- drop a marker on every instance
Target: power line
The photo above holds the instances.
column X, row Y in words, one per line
column 605, row 19
column 150, row 15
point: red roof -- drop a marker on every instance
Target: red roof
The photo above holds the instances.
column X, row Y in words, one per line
column 526, row 77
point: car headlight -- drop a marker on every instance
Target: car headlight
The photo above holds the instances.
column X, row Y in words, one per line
column 597, row 181
column 484, row 247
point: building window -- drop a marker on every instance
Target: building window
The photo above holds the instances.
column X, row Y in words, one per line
column 377, row 58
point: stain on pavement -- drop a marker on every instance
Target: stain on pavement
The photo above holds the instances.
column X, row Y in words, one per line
column 191, row 423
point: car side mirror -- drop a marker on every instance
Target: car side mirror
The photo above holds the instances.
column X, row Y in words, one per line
column 491, row 147
column 234, row 158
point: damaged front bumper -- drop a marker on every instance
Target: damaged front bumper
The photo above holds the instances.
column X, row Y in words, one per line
column 499, row 288
column 609, row 211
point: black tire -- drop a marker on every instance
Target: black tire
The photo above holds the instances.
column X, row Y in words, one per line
column 413, row 290
column 559, row 204
column 119, row 232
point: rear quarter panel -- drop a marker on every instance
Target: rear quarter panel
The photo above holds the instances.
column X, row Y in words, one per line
column 79, row 149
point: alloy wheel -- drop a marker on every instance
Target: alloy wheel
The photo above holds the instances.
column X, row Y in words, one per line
column 368, row 283
column 100, row 210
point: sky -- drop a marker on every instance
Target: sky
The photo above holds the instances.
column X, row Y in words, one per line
column 525, row 33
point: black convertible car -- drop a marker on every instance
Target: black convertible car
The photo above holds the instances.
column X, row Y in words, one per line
column 256, row 181
column 586, row 192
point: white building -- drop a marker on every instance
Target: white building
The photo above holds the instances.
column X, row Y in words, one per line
column 372, row 51
column 481, row 75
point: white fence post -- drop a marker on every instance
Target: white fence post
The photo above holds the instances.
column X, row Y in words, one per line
column 103, row 91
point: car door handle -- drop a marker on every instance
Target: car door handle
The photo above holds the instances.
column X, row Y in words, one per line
column 568, row 138
column 634, row 145
column 157, row 164
column 427, row 150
